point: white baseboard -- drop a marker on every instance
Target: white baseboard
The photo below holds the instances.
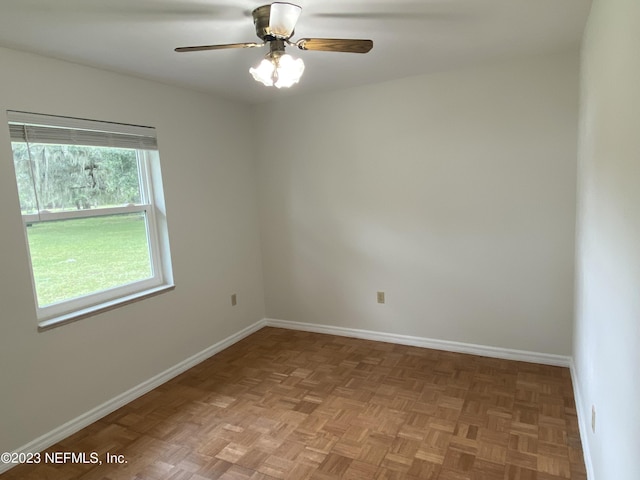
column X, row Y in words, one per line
column 78, row 423
column 584, row 422
column 483, row 350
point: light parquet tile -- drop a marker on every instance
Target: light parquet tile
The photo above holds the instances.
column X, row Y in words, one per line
column 291, row 405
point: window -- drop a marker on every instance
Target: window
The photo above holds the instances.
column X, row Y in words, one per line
column 93, row 212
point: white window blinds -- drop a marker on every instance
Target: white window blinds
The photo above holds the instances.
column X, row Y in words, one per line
column 35, row 128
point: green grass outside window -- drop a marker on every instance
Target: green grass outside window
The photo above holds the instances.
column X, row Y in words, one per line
column 72, row 258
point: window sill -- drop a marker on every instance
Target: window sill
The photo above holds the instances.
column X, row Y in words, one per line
column 60, row 320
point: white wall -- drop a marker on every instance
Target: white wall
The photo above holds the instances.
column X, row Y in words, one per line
column 454, row 193
column 607, row 327
column 49, row 378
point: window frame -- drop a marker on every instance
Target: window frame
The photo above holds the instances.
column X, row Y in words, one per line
column 151, row 205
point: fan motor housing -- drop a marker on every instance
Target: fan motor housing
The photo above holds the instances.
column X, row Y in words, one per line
column 261, row 17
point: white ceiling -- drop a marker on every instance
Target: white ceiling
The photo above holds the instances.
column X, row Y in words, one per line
column 410, row 37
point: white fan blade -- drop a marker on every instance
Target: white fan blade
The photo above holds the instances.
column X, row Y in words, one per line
column 283, row 18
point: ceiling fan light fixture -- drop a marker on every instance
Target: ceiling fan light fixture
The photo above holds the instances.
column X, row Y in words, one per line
column 274, row 24
column 278, row 70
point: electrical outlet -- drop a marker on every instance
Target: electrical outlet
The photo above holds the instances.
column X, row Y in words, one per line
column 593, row 418
column 234, row 300
column 380, row 297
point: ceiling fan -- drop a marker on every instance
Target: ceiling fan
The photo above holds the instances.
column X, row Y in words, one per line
column 275, row 25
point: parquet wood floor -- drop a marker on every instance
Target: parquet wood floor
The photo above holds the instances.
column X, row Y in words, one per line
column 295, row 405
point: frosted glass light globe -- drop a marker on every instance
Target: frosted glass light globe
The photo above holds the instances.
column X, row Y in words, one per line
column 280, row 71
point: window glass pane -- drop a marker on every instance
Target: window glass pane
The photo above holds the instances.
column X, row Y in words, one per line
column 68, row 177
column 77, row 257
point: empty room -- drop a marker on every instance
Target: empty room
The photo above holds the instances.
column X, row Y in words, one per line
column 322, row 240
